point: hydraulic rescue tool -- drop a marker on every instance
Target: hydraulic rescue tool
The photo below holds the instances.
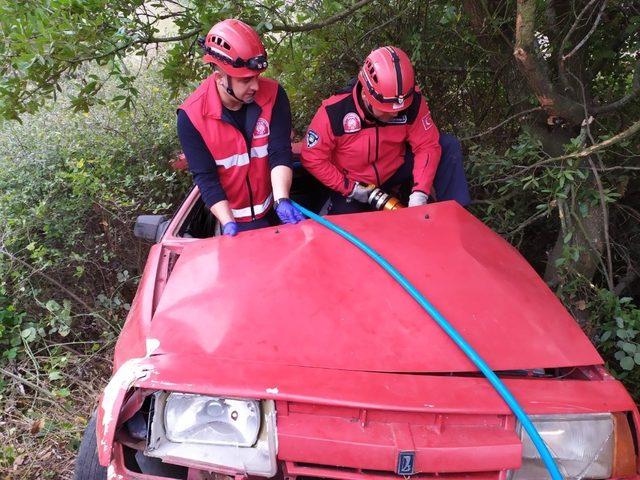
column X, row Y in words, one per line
column 381, row 200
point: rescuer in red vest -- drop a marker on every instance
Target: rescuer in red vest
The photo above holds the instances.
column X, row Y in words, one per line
column 235, row 131
column 379, row 132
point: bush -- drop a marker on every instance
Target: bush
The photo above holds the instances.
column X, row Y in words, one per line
column 72, row 184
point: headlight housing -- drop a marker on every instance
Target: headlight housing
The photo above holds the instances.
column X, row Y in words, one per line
column 214, row 433
column 211, row 420
column 584, row 446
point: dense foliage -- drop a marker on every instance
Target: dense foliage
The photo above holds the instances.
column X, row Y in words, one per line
column 72, row 185
column 544, row 96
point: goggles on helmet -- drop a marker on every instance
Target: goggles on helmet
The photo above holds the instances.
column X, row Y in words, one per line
column 257, row 63
column 381, row 98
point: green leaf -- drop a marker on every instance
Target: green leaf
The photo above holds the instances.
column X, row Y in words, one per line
column 55, row 375
column 62, row 392
column 636, row 358
column 28, row 334
column 627, row 363
column 52, row 306
column 605, row 336
column 629, row 347
column 11, row 354
column 584, row 210
column 64, row 329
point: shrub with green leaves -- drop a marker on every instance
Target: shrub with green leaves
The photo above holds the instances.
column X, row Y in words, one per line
column 71, row 187
column 619, row 340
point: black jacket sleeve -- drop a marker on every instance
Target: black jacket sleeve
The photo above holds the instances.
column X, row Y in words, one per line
column 280, row 136
column 201, row 164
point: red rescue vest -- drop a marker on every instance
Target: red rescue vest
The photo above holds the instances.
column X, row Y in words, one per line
column 244, row 175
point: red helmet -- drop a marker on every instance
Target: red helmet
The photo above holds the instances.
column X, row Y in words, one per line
column 387, row 79
column 236, row 48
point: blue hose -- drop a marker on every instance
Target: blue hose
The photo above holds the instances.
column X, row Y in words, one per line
column 455, row 336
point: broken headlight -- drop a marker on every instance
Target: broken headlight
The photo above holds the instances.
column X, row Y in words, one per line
column 211, row 420
column 213, row 433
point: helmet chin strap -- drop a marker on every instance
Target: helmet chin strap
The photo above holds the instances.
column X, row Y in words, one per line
column 368, row 112
column 230, row 91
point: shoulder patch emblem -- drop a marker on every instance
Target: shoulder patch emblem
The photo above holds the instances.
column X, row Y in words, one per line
column 426, row 121
column 351, row 123
column 312, row 139
column 262, row 128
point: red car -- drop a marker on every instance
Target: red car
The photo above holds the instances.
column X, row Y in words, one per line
column 286, row 352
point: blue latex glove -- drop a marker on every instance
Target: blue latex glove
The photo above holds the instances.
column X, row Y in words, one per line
column 230, row 228
column 287, row 212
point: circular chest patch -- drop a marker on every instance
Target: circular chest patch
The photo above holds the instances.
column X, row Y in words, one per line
column 262, row 128
column 351, row 122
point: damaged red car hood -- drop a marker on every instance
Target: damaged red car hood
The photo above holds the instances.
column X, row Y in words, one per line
column 300, row 295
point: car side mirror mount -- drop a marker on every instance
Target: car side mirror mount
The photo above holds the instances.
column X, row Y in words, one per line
column 150, row 227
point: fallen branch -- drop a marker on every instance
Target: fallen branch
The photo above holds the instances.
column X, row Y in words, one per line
column 28, row 383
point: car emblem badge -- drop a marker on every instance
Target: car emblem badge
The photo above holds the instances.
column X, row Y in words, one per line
column 406, row 462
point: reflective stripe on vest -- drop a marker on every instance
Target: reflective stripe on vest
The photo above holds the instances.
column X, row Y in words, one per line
column 243, row 167
column 242, row 158
column 258, row 209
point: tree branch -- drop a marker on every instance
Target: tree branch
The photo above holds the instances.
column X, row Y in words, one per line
column 589, row 33
column 534, row 72
column 635, row 90
column 625, row 134
column 131, row 43
column 526, row 112
column 28, row 383
column 573, row 28
column 315, row 26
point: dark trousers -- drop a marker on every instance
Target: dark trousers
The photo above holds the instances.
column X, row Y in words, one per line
column 450, row 182
column 269, row 220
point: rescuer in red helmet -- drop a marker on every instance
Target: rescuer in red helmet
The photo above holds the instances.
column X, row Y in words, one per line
column 235, row 131
column 379, row 132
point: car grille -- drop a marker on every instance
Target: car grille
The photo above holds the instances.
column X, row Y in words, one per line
column 355, row 443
